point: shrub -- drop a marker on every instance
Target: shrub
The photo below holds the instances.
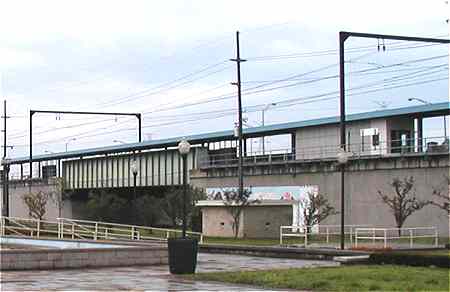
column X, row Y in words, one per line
column 410, row 259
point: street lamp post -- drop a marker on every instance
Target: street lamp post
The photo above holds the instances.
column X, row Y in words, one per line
column 184, row 147
column 429, row 103
column 342, row 158
column 134, row 169
column 119, row 141
column 183, row 251
column 263, row 122
column 68, row 141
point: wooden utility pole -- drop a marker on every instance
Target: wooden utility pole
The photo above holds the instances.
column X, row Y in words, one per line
column 238, row 61
column 5, row 173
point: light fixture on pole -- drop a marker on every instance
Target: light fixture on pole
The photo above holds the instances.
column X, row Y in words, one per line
column 342, row 159
column 134, row 170
column 68, row 141
column 184, row 147
column 119, row 141
column 183, row 251
column 429, row 103
column 263, row 122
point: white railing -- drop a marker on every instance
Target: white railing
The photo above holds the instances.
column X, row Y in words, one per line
column 400, row 235
column 104, row 230
column 85, row 229
column 27, row 227
column 323, row 232
column 384, row 148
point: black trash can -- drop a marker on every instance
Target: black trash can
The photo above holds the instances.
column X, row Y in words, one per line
column 182, row 255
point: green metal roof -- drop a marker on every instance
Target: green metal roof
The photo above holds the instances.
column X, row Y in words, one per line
column 427, row 110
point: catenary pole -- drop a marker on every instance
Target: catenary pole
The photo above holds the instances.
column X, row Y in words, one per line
column 238, row 61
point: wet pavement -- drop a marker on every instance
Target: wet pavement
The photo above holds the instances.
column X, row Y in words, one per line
column 154, row 278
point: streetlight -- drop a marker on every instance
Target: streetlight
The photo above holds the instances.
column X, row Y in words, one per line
column 184, row 147
column 119, row 141
column 68, row 141
column 183, row 251
column 342, row 158
column 134, row 169
column 262, row 116
column 429, row 103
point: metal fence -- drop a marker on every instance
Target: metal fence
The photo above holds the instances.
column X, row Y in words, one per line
column 85, row 229
column 323, row 152
column 396, row 237
column 321, row 233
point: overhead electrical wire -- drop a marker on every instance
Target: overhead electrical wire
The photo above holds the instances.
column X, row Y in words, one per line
column 221, row 97
column 289, row 102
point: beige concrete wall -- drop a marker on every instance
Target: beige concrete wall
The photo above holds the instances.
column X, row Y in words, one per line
column 81, row 258
column 218, row 222
column 322, row 141
column 362, row 202
column 19, row 209
column 265, row 221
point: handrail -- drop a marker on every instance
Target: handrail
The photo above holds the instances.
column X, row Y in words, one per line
column 327, row 230
column 19, row 225
column 128, row 228
column 379, row 233
column 88, row 229
column 384, row 147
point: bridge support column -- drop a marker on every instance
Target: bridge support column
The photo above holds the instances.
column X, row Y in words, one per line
column 293, row 144
column 419, row 134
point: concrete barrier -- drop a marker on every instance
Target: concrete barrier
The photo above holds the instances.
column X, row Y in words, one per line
column 46, row 258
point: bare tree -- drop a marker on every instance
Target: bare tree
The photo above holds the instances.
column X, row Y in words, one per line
column 235, row 204
column 172, row 204
column 36, row 203
column 443, row 193
column 316, row 208
column 60, row 195
column 403, row 201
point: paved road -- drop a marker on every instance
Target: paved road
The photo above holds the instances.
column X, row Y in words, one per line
column 146, row 278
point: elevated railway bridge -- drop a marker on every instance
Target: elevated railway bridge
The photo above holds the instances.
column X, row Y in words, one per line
column 384, row 144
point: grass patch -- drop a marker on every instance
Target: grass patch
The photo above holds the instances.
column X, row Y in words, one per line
column 269, row 241
column 241, row 241
column 346, row 278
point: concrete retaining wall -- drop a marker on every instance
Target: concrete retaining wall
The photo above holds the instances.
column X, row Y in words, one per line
column 46, row 259
column 363, row 205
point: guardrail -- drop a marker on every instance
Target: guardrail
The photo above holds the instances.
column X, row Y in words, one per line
column 325, row 231
column 400, row 234
column 85, row 229
column 27, row 227
column 104, row 230
column 383, row 148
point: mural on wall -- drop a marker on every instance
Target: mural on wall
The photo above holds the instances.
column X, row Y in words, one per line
column 295, row 193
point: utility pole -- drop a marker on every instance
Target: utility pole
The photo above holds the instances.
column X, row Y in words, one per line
column 4, row 129
column 343, row 36
column 238, row 61
column 32, row 112
column 5, row 174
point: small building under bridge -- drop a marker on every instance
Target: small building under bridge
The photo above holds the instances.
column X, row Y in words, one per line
column 384, row 144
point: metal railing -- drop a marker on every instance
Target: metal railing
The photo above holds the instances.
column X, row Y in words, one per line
column 85, row 229
column 358, row 150
column 392, row 236
column 28, row 227
column 322, row 232
column 104, row 230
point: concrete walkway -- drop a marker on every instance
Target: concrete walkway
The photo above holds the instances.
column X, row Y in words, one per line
column 146, row 277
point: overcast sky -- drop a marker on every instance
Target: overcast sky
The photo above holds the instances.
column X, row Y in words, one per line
column 170, row 61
